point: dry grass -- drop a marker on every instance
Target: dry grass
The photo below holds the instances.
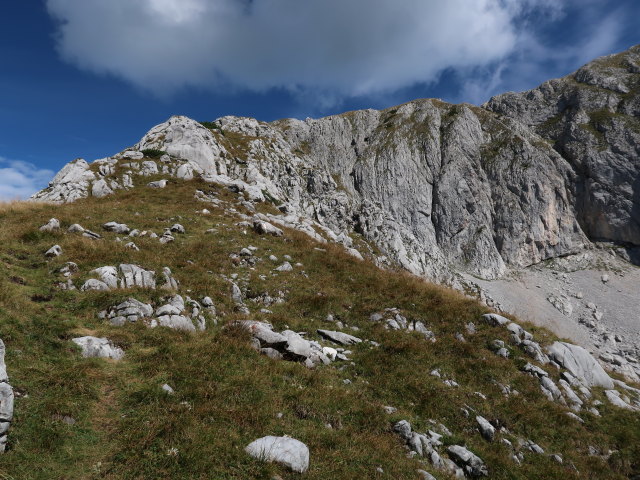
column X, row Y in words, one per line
column 226, row 394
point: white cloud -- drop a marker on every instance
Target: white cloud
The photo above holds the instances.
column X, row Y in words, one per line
column 19, row 180
column 335, row 47
column 534, row 60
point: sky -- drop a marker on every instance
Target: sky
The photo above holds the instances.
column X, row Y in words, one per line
column 87, row 78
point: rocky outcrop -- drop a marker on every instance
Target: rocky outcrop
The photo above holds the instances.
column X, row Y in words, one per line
column 436, row 188
column 580, row 364
column 592, row 118
column 128, row 276
column 177, row 313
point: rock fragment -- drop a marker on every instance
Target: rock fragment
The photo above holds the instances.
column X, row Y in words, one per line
column 98, row 347
column 287, row 451
column 469, row 462
column 339, row 337
column 51, row 226
column 54, row 251
column 157, row 184
column 265, row 228
column 6, row 401
column 116, row 227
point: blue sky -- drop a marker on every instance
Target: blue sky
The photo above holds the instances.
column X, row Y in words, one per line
column 86, row 78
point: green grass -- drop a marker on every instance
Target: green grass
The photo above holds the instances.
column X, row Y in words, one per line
column 227, row 395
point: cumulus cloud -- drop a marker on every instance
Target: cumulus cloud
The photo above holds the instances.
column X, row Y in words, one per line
column 535, row 59
column 19, row 180
column 342, row 48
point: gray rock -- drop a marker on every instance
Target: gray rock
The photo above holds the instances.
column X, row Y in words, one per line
column 236, row 294
column 339, row 337
column 562, row 303
column 207, row 302
column 132, row 246
column 115, row 227
column 157, row 184
column 272, row 353
column 51, row 226
column 177, row 228
column 580, row 364
column 503, row 352
column 170, row 283
column 131, row 309
column 75, row 228
column 132, row 154
column 495, row 320
column 486, row 429
column 54, row 251
column 574, row 416
column 615, row 398
column 6, row 400
column 403, row 428
column 285, row 267
column 534, row 370
column 175, row 322
column 93, row 284
column 135, row 276
column 469, row 462
column 533, row 447
column 91, row 235
column 287, row 451
column 70, row 184
column 100, row 188
column 424, row 475
column 98, row 347
column 168, row 309
column 265, row 228
column 149, row 167
column 551, row 390
column 601, row 148
column 166, row 238
column 166, row 388
column 264, row 333
column 296, row 345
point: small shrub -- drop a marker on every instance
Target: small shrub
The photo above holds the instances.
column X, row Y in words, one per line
column 210, row 125
column 153, row 153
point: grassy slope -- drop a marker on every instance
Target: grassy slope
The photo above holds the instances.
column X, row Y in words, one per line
column 228, row 395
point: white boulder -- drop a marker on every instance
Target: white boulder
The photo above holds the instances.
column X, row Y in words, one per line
column 51, row 225
column 98, row 347
column 580, row 364
column 287, row 451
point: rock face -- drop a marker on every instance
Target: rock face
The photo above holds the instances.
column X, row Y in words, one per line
column 287, row 451
column 592, row 117
column 526, row 177
column 580, row 363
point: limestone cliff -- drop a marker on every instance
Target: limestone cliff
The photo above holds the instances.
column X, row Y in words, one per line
column 433, row 187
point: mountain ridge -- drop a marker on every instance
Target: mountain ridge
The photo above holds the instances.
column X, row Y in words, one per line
column 459, row 194
column 209, row 304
